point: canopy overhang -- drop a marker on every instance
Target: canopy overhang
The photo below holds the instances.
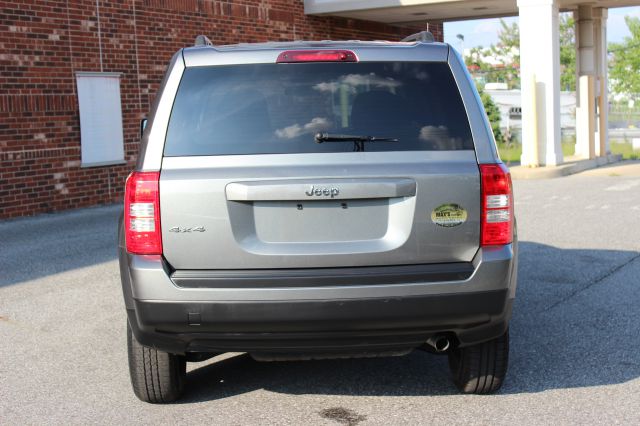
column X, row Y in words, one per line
column 412, row 12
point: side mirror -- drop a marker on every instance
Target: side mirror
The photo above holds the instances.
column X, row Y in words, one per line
column 143, row 125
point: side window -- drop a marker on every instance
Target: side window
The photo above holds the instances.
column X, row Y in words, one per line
column 101, row 137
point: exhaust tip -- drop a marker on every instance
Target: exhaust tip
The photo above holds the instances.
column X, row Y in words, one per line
column 439, row 343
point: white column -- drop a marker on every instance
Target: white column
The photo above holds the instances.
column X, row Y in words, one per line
column 585, row 83
column 602, row 122
column 540, row 82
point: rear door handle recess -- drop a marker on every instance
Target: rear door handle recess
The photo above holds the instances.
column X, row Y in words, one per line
column 337, row 189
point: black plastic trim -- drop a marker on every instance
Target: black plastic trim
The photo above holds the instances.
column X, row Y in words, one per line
column 319, row 277
column 317, row 326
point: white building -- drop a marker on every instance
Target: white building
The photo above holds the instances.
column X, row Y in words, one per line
column 509, row 102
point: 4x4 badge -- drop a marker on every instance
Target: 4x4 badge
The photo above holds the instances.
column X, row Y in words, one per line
column 192, row 229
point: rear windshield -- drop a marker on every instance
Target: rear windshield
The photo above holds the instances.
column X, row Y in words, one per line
column 279, row 108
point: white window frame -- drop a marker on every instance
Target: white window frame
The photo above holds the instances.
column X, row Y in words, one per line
column 101, row 131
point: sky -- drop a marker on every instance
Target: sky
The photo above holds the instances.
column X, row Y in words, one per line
column 484, row 32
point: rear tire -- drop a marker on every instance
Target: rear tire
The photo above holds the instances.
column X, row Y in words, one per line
column 157, row 377
column 481, row 368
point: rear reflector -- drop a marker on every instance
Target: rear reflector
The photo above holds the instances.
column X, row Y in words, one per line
column 142, row 213
column 293, row 56
column 497, row 205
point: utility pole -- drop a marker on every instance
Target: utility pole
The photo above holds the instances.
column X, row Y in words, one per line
column 461, row 38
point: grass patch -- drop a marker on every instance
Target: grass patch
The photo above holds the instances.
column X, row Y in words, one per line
column 625, row 149
column 511, row 153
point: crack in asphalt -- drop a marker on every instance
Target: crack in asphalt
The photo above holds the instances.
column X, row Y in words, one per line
column 606, row 275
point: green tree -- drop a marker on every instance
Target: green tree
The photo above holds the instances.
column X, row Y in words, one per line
column 507, row 51
column 493, row 113
column 567, row 52
column 509, row 39
column 624, row 66
column 476, row 58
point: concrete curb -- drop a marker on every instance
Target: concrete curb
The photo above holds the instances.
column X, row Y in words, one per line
column 566, row 169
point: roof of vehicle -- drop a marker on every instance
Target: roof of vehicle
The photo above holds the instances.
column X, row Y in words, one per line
column 298, row 44
column 380, row 50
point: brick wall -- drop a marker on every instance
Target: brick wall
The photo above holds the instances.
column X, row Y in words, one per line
column 44, row 43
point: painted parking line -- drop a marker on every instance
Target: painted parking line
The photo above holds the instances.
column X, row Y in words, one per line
column 623, row 186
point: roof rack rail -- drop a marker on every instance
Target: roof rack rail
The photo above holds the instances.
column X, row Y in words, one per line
column 202, row 40
column 423, row 36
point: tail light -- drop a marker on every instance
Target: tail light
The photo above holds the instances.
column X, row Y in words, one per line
column 142, row 213
column 496, row 226
column 292, row 56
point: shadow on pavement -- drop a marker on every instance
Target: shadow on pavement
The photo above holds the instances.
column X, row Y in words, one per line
column 35, row 247
column 574, row 325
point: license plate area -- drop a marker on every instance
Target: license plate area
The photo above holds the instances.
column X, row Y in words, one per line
column 321, row 221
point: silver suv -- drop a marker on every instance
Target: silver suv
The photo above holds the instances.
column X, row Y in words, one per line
column 308, row 200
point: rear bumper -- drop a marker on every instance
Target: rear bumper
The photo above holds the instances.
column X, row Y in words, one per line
column 319, row 326
column 369, row 312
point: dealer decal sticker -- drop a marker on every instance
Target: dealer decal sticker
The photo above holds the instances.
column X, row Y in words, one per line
column 449, row 215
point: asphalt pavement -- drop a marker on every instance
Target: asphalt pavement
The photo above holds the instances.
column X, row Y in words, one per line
column 575, row 334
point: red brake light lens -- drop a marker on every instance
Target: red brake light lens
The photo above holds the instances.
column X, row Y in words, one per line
column 142, row 213
column 293, row 56
column 496, row 226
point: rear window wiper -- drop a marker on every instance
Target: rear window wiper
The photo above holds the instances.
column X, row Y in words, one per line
column 334, row 137
column 358, row 140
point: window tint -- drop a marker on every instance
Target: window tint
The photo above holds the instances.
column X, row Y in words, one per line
column 278, row 108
